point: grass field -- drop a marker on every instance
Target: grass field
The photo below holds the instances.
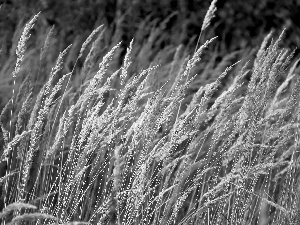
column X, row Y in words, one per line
column 179, row 138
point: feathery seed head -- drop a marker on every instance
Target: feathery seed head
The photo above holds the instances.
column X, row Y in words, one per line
column 209, row 15
column 89, row 39
column 47, row 43
column 127, row 63
column 21, row 48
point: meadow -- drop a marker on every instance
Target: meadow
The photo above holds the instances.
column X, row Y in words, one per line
column 189, row 139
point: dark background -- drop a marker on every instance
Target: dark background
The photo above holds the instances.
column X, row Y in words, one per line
column 239, row 25
column 238, row 22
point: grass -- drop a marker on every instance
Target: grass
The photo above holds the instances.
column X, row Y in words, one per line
column 114, row 147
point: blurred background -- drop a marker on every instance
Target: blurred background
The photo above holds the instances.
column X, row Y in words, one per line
column 238, row 22
column 156, row 26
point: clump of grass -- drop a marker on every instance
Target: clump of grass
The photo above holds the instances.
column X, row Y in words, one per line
column 134, row 155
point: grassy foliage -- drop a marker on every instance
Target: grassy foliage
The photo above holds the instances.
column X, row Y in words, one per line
column 190, row 141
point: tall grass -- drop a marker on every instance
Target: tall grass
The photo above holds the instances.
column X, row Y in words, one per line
column 125, row 148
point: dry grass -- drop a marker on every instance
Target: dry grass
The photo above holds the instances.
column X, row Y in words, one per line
column 123, row 148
